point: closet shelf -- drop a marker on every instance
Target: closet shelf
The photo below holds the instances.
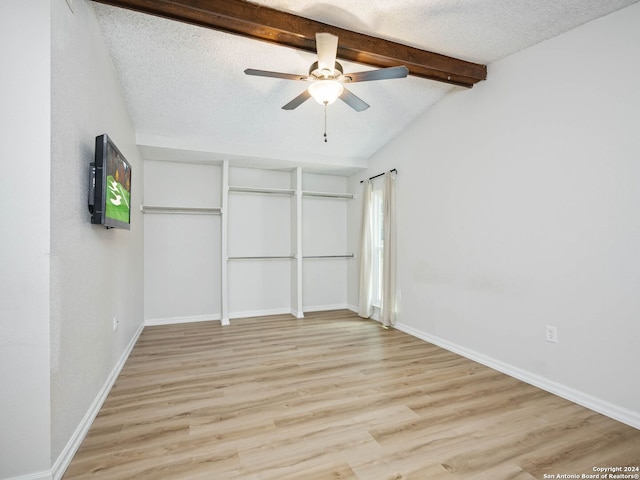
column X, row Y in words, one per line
column 181, row 210
column 347, row 196
column 272, row 191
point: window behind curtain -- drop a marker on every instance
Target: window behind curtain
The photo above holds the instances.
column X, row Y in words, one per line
column 377, row 230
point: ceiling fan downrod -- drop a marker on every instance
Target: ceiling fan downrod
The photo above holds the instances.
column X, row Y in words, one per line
column 325, row 121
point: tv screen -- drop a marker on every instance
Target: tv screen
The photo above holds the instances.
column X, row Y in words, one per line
column 110, row 189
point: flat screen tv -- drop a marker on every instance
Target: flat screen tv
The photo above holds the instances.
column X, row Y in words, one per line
column 110, row 186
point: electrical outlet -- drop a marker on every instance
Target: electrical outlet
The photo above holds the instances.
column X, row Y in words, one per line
column 115, row 322
column 552, row 334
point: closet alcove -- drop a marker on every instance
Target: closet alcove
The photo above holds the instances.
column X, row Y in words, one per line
column 224, row 242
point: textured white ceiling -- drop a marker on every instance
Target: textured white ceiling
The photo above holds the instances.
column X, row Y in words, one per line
column 190, row 100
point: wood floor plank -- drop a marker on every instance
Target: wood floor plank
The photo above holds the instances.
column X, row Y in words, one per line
column 331, row 396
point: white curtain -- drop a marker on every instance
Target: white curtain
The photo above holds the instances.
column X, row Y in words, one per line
column 388, row 313
column 365, row 306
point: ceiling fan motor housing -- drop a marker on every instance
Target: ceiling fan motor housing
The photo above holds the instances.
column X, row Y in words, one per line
column 317, row 73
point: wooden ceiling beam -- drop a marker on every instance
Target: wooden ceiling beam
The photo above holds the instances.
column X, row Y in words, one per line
column 267, row 24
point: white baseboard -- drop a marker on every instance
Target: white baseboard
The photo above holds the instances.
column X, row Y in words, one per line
column 76, row 439
column 44, row 475
column 613, row 411
column 151, row 322
column 260, row 313
column 216, row 317
column 253, row 313
column 326, row 308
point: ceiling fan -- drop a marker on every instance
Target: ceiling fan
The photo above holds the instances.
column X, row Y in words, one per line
column 327, row 78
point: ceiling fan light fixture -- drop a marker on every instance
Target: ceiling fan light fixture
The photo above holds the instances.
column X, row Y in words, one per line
column 325, row 92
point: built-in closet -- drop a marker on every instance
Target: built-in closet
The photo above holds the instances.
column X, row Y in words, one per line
column 224, row 242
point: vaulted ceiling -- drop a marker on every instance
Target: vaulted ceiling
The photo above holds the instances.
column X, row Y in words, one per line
column 189, row 99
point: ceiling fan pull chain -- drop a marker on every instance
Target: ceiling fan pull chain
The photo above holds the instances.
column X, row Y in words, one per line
column 325, row 122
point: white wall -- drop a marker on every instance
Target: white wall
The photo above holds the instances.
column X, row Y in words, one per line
column 63, row 278
column 95, row 273
column 25, row 121
column 518, row 208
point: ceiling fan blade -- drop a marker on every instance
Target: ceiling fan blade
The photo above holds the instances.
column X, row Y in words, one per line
column 299, row 100
column 265, row 73
column 327, row 48
column 380, row 74
column 353, row 101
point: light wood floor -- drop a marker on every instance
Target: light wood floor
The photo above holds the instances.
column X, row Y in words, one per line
column 332, row 397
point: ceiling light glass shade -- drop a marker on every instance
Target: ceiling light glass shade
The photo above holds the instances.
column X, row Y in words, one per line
column 325, row 92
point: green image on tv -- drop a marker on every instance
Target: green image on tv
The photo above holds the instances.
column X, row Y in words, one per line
column 117, row 205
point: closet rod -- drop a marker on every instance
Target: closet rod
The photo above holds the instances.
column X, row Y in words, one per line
column 264, row 257
column 271, row 191
column 179, row 210
column 394, row 170
column 328, row 195
column 328, row 256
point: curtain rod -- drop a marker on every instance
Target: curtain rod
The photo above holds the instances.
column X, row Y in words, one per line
column 380, row 174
